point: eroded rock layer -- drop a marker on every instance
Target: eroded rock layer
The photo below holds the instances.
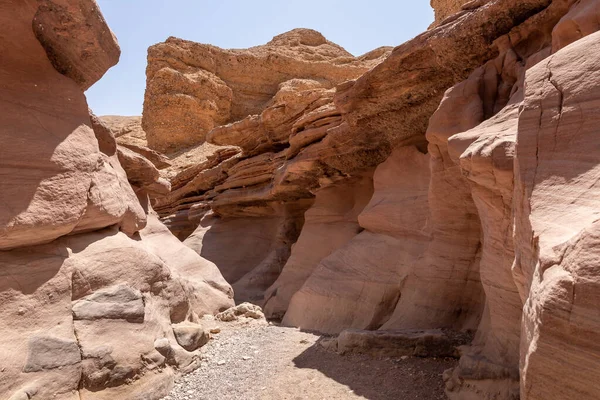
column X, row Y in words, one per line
column 434, row 195
column 193, row 88
column 445, row 189
column 93, row 287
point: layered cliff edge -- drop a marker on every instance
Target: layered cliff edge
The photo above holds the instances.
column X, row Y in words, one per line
column 449, row 186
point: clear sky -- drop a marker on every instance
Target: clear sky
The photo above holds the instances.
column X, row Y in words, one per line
column 357, row 25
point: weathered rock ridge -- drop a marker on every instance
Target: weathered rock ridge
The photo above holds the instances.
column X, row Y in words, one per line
column 93, row 287
column 193, row 87
column 450, row 186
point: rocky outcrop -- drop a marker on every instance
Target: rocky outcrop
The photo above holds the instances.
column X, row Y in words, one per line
column 329, row 224
column 556, row 224
column 436, row 197
column 76, row 39
column 435, row 200
column 193, row 88
column 342, row 281
column 310, row 137
column 444, row 9
column 262, row 245
column 93, row 288
column 56, row 181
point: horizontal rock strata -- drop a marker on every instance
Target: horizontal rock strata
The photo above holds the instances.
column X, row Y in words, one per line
column 419, row 186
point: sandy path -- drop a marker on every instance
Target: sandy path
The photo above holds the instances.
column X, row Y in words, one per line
column 258, row 362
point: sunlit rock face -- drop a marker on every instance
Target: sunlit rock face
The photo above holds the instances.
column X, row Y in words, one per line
column 431, row 197
column 92, row 285
column 447, row 8
column 193, row 88
column 445, row 186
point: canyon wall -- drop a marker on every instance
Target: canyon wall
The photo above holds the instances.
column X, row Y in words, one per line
column 98, row 299
column 449, row 183
column 447, row 187
column 444, row 9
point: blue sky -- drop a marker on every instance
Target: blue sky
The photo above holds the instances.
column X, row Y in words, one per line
column 357, row 25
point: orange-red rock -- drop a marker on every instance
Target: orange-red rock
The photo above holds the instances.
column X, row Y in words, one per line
column 193, row 88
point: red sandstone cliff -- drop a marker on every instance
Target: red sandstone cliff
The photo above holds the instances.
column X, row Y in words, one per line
column 416, row 196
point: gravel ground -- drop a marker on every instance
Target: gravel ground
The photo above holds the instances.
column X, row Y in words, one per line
column 251, row 360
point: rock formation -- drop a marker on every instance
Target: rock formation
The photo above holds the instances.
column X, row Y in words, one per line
column 93, row 287
column 449, row 8
column 442, row 190
column 193, row 88
column 445, row 188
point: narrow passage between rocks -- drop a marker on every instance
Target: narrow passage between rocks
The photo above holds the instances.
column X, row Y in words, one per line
column 251, row 359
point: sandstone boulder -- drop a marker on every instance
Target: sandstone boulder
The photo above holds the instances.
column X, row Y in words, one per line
column 245, row 310
column 191, row 336
column 76, row 38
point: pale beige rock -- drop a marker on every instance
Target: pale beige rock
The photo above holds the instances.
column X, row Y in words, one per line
column 142, row 174
column 81, row 314
column 245, row 310
column 106, row 139
column 117, row 302
column 342, row 292
column 190, row 336
column 486, row 156
column 437, row 245
column 118, row 297
column 273, row 127
column 556, row 225
column 488, row 164
column 36, row 298
column 324, row 148
column 329, row 224
column 448, row 269
column 395, row 99
column 206, row 288
column 250, row 237
column 446, row 8
column 262, row 241
column 181, row 107
column 127, row 130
